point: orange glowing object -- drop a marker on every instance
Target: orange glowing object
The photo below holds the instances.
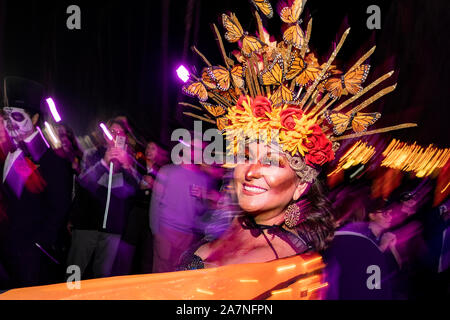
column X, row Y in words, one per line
column 359, row 153
column 298, row 277
column 414, row 158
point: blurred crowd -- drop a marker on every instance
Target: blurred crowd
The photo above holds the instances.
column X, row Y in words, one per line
column 65, row 207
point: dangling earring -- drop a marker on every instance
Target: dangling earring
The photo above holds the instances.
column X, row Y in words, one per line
column 293, row 216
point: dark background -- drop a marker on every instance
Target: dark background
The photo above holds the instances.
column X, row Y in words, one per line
column 123, row 60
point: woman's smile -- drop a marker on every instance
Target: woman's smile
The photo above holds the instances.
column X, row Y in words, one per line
column 251, row 190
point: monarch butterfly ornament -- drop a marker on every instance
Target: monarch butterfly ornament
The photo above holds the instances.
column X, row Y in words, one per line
column 196, row 89
column 214, row 110
column 207, row 80
column 348, row 83
column 218, row 112
column 223, row 77
column 265, row 7
column 359, row 121
column 293, row 35
column 274, row 75
column 250, row 45
column 222, row 123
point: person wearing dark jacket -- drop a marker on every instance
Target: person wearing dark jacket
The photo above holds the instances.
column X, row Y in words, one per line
column 37, row 185
column 362, row 261
column 102, row 205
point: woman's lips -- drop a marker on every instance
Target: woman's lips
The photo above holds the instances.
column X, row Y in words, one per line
column 251, row 190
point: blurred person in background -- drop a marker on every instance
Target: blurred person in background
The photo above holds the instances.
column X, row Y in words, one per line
column 410, row 215
column 98, row 224
column 179, row 202
column 136, row 249
column 356, row 248
column 437, row 257
column 69, row 148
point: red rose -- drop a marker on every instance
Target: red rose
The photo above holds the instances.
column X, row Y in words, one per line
column 287, row 117
column 260, row 106
column 240, row 105
column 316, row 139
column 318, row 157
column 320, row 149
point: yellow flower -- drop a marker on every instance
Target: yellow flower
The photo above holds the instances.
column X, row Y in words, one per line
column 293, row 140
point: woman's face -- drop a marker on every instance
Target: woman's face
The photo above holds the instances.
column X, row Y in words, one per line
column 66, row 144
column 382, row 218
column 116, row 131
column 266, row 184
column 151, row 152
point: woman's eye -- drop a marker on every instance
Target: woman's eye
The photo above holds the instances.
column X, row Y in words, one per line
column 269, row 162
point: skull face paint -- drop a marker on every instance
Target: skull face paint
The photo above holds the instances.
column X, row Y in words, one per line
column 18, row 123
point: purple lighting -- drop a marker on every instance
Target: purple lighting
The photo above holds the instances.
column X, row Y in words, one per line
column 106, row 131
column 42, row 136
column 52, row 106
column 184, row 143
column 51, row 133
column 183, row 74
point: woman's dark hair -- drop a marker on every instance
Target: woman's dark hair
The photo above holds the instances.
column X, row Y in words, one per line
column 124, row 124
column 318, row 225
column 163, row 155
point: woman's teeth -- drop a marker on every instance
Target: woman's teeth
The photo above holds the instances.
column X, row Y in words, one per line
column 254, row 189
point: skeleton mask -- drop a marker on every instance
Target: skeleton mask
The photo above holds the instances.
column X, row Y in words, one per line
column 18, row 123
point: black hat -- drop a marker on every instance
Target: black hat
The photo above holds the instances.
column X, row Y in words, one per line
column 23, row 93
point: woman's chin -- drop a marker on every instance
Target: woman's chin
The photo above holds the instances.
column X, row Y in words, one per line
column 252, row 209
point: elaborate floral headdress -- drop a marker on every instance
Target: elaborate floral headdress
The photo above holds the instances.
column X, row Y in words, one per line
column 281, row 87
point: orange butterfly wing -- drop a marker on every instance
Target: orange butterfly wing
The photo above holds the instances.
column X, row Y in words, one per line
column 251, row 45
column 362, row 121
column 355, row 78
column 196, row 89
column 221, row 76
column 222, row 123
column 265, row 7
column 297, row 66
column 334, row 87
column 308, row 75
column 281, row 95
column 216, row 111
column 237, row 74
column 207, row 81
column 311, row 72
column 292, row 14
column 234, row 29
column 274, row 74
column 294, row 36
column 340, row 121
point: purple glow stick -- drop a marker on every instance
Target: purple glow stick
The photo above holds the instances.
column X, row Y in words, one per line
column 52, row 106
column 183, row 74
column 46, row 253
column 184, row 143
column 106, row 131
column 51, row 133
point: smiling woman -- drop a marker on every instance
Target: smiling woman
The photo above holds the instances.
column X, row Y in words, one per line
column 281, row 215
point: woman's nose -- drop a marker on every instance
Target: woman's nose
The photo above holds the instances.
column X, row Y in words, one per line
column 253, row 171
